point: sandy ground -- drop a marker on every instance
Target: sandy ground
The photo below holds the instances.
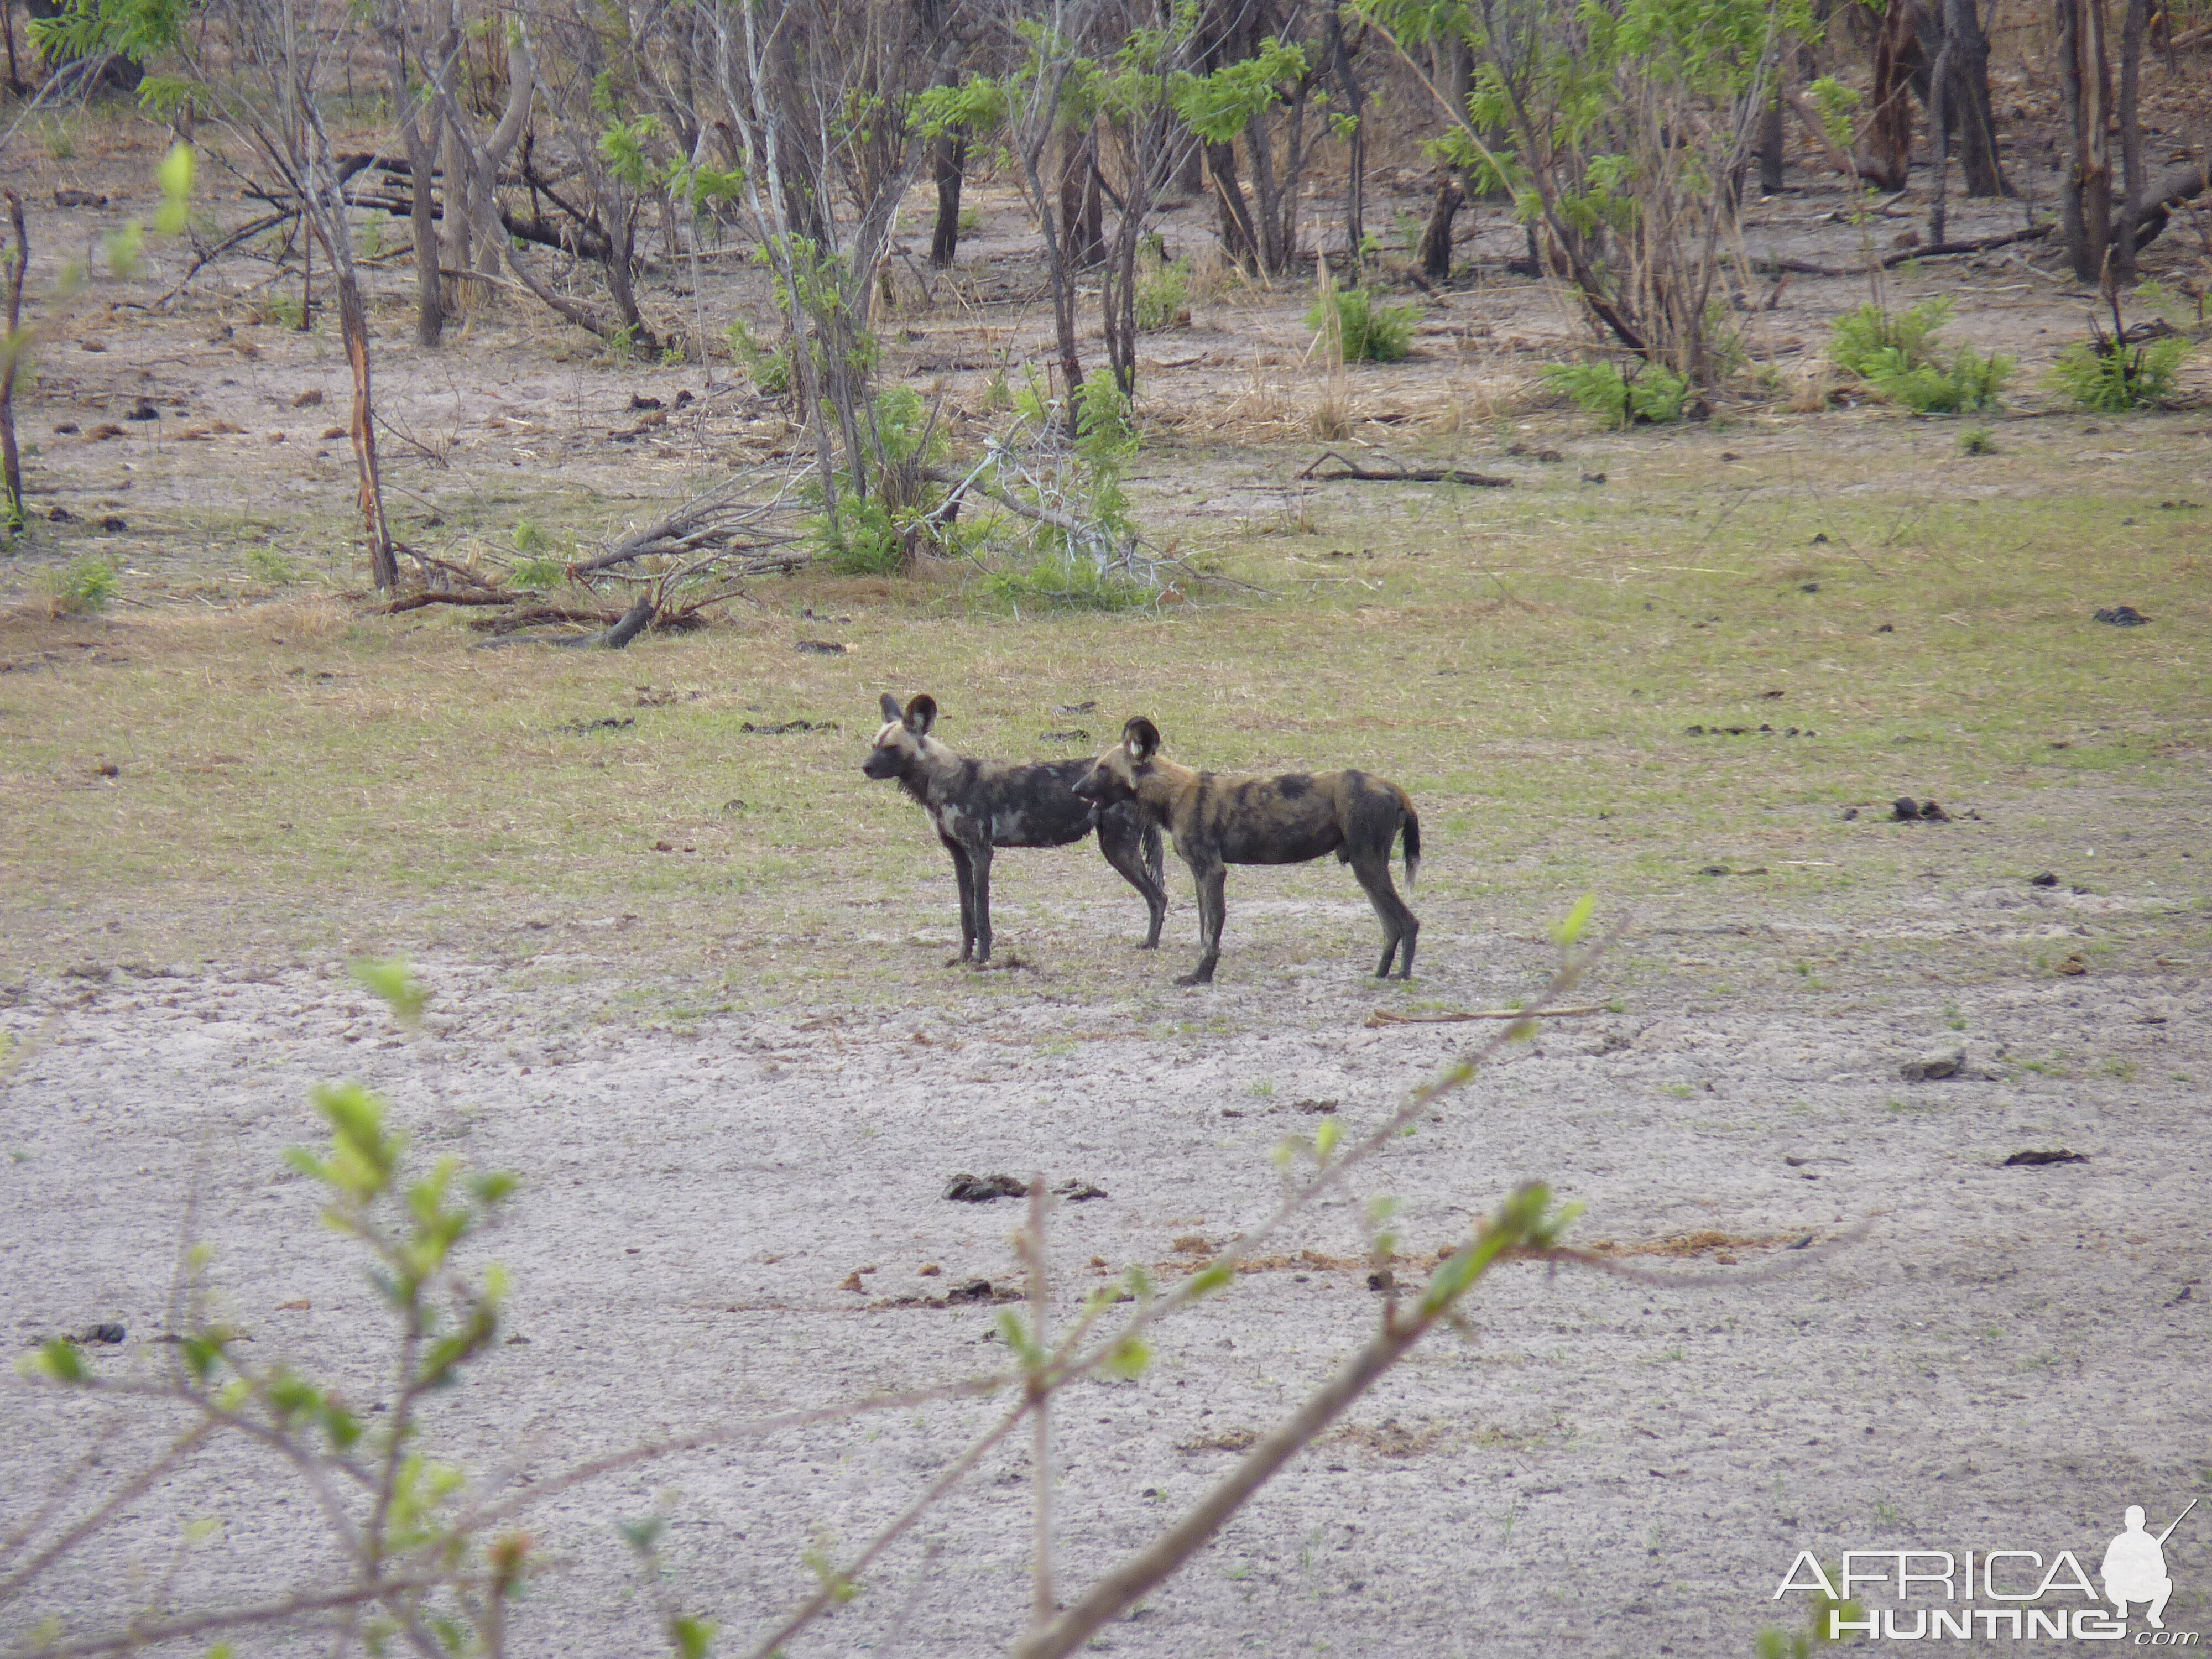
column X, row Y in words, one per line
column 2009, row 1358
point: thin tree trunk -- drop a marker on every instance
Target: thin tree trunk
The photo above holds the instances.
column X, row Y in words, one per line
column 1888, row 158
column 1082, row 214
column 421, row 163
column 11, row 354
column 1771, row 156
column 1939, row 126
column 2085, row 81
column 949, row 159
column 2131, row 144
column 1437, row 236
column 1971, row 112
column 1239, row 237
column 1355, row 165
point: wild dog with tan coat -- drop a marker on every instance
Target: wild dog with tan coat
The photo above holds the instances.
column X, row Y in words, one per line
column 977, row 805
column 1218, row 821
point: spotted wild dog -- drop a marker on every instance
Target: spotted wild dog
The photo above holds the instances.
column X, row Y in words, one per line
column 1218, row 821
column 979, row 804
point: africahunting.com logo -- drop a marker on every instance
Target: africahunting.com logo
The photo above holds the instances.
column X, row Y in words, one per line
column 2015, row 1594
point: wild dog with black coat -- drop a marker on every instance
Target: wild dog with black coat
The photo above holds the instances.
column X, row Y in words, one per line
column 1222, row 820
column 979, row 804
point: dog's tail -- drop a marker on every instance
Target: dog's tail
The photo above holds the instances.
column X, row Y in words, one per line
column 1155, row 856
column 1412, row 838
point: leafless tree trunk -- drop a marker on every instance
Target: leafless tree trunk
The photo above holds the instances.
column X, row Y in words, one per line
column 2133, row 179
column 1887, row 158
column 1437, row 236
column 11, row 354
column 2085, row 79
column 421, row 146
column 949, row 160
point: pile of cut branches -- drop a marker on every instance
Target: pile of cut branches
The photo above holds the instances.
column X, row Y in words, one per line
column 663, row 575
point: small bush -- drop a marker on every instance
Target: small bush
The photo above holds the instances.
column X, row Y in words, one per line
column 270, row 566
column 538, row 573
column 1860, row 336
column 875, row 537
column 1061, row 583
column 1657, row 395
column 1162, row 299
column 971, row 218
column 1372, row 330
column 770, row 368
column 2108, row 378
column 1977, row 441
column 83, row 589
column 1972, row 384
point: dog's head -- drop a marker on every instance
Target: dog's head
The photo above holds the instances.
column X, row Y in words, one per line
column 1115, row 775
column 898, row 745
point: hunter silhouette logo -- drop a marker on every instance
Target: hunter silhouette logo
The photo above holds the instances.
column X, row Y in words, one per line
column 2020, row 1594
column 2134, row 1566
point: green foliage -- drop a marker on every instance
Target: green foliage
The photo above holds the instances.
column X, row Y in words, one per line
column 271, row 566
column 1163, row 297
column 538, row 572
column 1654, row 395
column 84, row 588
column 1971, row 385
column 393, row 982
column 2108, row 378
column 1859, row 338
column 876, row 535
column 770, row 368
column 1371, row 329
column 1775, row 1642
column 528, row 537
column 1977, row 441
column 1836, row 103
column 1220, row 105
column 1059, row 582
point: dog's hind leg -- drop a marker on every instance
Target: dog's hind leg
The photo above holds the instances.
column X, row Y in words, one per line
column 1123, row 844
column 964, row 873
column 1400, row 927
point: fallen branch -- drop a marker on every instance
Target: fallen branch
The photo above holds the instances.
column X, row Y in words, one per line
column 417, row 601
column 1384, row 1016
column 1906, row 256
column 1357, row 474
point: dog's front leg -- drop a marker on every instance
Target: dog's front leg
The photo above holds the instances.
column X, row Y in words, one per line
column 1212, row 881
column 963, row 873
column 979, row 857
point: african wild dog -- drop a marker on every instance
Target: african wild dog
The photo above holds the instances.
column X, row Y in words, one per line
column 1219, row 821
column 979, row 804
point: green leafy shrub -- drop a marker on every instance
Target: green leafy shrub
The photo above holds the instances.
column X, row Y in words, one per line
column 876, row 536
column 1654, row 395
column 1977, row 441
column 271, row 566
column 769, row 367
column 1859, row 337
column 1062, row 583
column 538, row 573
column 83, row 589
column 1162, row 299
column 1371, row 330
column 1971, row 385
column 2105, row 376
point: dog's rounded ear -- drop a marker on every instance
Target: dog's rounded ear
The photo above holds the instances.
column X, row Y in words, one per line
column 1141, row 738
column 891, row 707
column 922, row 715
